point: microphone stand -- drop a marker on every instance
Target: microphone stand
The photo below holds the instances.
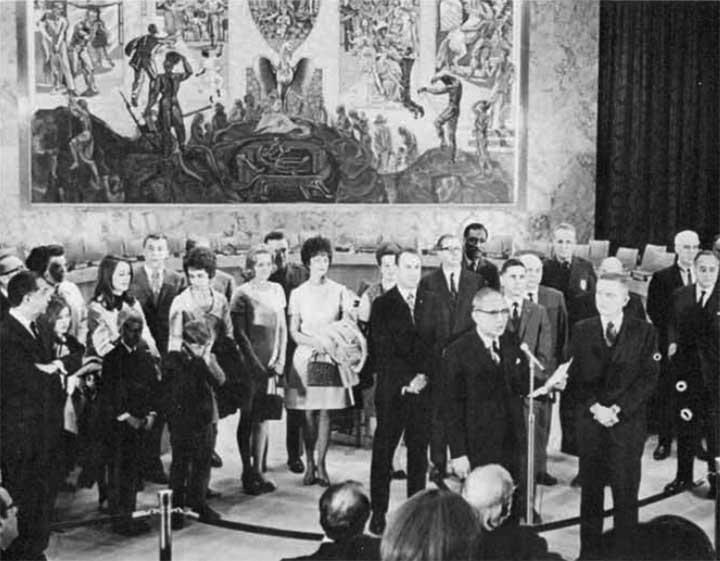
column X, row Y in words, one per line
column 530, row 479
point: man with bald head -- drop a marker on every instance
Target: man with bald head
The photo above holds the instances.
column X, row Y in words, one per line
column 613, row 373
column 489, row 490
column 659, row 307
column 10, row 265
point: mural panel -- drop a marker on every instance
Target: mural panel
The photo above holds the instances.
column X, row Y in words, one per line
column 129, row 102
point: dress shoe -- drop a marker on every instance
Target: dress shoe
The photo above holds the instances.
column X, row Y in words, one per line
column 661, row 452
column 377, row 524
column 207, row 514
column 216, row 460
column 678, row 485
column 545, row 479
column 296, row 465
column 398, row 474
column 252, row 484
column 265, row 485
column 701, row 453
column 212, row 494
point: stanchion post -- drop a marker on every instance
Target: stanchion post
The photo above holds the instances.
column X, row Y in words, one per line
column 165, row 508
column 530, row 479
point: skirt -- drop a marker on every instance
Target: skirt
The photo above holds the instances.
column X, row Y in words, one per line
column 298, row 395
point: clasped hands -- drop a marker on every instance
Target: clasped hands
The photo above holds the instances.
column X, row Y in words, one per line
column 417, row 384
column 606, row 416
column 141, row 422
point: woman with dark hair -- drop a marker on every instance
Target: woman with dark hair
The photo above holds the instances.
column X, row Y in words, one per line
column 314, row 305
column 433, row 525
column 111, row 302
column 258, row 311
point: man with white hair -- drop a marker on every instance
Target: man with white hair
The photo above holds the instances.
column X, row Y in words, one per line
column 659, row 308
column 10, row 265
column 489, row 490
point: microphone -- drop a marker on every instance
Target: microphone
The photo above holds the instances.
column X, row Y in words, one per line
column 531, row 357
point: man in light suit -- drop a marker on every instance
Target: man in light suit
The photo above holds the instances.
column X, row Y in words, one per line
column 155, row 287
column 659, row 307
column 530, row 323
column 31, row 401
column 697, row 402
column 614, row 370
column 452, row 289
column 402, row 396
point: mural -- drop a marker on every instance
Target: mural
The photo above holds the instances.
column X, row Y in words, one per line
column 131, row 102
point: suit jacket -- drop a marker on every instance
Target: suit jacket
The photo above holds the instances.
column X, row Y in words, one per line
column 554, row 303
column 624, row 374
column 659, row 301
column 482, row 410
column 585, row 307
column 399, row 344
column 360, row 548
column 28, row 397
column 708, row 339
column 515, row 543
column 486, row 270
column 4, row 307
column 535, row 330
column 190, row 399
column 579, row 279
column 157, row 308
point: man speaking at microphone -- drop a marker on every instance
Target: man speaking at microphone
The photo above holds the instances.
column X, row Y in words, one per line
column 613, row 372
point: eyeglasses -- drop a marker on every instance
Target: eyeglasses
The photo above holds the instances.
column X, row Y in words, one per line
column 453, row 248
column 500, row 312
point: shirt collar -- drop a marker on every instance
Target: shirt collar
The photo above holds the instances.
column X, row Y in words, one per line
column 511, row 301
column 405, row 292
column 487, row 341
column 149, row 272
column 535, row 295
column 616, row 321
column 707, row 291
column 22, row 320
column 130, row 350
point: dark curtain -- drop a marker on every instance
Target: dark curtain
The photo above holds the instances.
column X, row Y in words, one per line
column 657, row 159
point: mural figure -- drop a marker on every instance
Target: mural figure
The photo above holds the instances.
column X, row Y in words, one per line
column 211, row 71
column 80, row 60
column 482, row 123
column 284, row 76
column 382, row 143
column 53, row 28
column 82, row 146
column 448, row 119
column 141, row 51
column 99, row 41
column 284, row 22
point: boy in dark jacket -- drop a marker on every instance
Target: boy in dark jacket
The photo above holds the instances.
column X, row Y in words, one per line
column 191, row 375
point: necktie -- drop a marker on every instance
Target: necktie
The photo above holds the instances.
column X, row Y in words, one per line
column 156, row 282
column 453, row 288
column 701, row 300
column 687, row 279
column 34, row 329
column 410, row 299
column 531, row 297
column 516, row 316
column 495, row 351
column 610, row 334
column 566, row 265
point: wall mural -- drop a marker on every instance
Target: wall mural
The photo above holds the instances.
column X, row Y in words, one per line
column 130, row 103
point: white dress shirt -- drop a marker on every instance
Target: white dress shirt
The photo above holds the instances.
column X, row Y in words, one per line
column 699, row 291
column 456, row 277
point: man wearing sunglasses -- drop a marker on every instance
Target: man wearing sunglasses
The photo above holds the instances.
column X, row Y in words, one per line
column 452, row 288
column 474, row 237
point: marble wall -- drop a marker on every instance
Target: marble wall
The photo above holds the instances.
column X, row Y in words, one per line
column 562, row 115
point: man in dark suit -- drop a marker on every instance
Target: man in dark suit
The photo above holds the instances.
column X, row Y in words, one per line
column 573, row 276
column 155, row 287
column 451, row 288
column 289, row 276
column 402, row 396
column 659, row 307
column 344, row 510
column 614, row 371
column 10, row 265
column 489, row 490
column 484, row 366
column 696, row 392
column 30, row 435
column 474, row 237
column 530, row 323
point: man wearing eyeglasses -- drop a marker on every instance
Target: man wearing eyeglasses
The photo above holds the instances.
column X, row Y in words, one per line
column 659, row 307
column 483, row 415
column 613, row 372
column 452, row 289
column 474, row 236
column 10, row 265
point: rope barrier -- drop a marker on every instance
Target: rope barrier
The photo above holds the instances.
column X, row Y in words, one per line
column 266, row 530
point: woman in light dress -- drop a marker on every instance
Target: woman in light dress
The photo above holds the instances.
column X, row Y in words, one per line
column 314, row 305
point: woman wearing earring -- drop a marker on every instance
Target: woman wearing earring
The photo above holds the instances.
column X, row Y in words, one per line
column 258, row 311
column 314, row 305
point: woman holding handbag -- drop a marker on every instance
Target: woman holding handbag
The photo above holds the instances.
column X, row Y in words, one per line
column 258, row 311
column 314, row 384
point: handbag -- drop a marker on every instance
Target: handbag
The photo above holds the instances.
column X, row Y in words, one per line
column 322, row 371
column 269, row 406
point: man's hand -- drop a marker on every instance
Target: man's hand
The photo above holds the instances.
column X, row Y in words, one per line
column 461, row 466
column 606, row 416
column 134, row 422
column 422, row 90
column 54, row 367
column 672, row 349
column 417, row 384
column 557, row 381
column 149, row 421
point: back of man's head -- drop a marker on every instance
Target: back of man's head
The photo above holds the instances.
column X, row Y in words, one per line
column 489, row 489
column 344, row 510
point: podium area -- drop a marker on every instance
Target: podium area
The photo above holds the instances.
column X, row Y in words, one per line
column 295, row 507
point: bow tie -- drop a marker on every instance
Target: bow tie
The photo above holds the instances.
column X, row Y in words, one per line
column 114, row 302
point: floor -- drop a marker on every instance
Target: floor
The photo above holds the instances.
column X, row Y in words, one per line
column 293, row 506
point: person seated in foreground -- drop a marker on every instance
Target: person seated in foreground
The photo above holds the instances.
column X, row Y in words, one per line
column 344, row 510
column 662, row 538
column 432, row 525
column 489, row 490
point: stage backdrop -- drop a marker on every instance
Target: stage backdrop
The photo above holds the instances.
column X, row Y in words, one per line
column 487, row 108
